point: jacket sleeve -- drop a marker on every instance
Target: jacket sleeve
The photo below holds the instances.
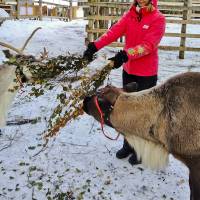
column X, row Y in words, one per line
column 116, row 31
column 150, row 41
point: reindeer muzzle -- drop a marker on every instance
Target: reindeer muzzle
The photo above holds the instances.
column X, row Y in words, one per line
column 101, row 104
column 91, row 104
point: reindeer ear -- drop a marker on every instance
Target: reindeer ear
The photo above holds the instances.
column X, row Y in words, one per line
column 131, row 87
column 7, row 53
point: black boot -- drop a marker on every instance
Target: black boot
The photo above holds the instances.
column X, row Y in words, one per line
column 133, row 160
column 125, row 151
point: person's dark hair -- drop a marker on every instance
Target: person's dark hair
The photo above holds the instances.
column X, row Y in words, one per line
column 150, row 6
column 135, row 3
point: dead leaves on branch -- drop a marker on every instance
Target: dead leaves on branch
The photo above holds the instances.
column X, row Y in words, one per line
column 69, row 71
column 72, row 106
column 41, row 71
column 72, row 74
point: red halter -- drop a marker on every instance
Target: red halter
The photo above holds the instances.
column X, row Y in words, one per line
column 102, row 120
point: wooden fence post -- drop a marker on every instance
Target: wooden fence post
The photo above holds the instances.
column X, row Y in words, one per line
column 70, row 10
column 186, row 16
column 18, row 7
column 90, row 24
column 103, row 11
column 40, row 9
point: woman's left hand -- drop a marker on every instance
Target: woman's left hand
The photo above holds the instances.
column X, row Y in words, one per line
column 120, row 58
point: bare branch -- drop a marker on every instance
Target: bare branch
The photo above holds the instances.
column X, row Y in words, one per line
column 109, row 151
column 42, row 149
column 11, row 140
column 22, row 121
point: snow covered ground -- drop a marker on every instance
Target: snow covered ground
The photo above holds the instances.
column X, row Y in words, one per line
column 80, row 162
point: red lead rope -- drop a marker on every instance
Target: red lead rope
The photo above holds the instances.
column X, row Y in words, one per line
column 102, row 120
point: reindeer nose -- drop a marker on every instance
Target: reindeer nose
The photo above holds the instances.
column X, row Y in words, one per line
column 24, row 79
column 86, row 104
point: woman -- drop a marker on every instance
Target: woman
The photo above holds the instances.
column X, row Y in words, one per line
column 143, row 27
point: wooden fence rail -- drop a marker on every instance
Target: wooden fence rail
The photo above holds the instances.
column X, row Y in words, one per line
column 103, row 14
column 18, row 9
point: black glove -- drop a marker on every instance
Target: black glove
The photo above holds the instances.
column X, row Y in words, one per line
column 90, row 51
column 120, row 58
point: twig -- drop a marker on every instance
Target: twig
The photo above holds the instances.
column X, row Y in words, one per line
column 33, row 191
column 41, row 150
column 11, row 139
column 91, row 127
column 10, row 143
column 83, row 153
column 51, row 147
column 109, row 151
column 80, row 145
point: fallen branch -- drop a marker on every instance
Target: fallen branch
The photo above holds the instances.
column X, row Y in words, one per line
column 22, row 121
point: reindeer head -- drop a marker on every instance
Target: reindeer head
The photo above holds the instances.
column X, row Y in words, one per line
column 106, row 98
column 23, row 74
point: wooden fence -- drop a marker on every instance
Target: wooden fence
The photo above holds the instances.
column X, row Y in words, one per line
column 38, row 9
column 103, row 14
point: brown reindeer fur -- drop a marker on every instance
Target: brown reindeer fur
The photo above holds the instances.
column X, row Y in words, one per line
column 161, row 120
column 168, row 114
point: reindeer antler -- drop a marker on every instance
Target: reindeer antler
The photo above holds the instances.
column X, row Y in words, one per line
column 20, row 51
column 44, row 54
column 10, row 47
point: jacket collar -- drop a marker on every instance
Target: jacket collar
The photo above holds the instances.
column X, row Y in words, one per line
column 141, row 12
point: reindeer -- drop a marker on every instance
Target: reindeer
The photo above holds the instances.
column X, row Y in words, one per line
column 11, row 76
column 158, row 121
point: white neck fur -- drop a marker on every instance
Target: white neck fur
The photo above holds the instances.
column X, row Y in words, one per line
column 7, row 74
column 153, row 155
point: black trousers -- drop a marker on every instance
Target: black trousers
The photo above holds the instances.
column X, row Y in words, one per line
column 144, row 82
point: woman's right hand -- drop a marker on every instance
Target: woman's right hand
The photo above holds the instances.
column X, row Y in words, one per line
column 90, row 51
